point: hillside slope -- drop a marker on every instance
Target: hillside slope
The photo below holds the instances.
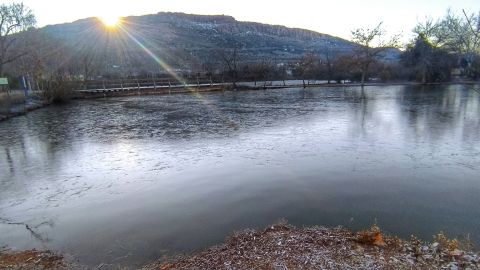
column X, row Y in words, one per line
column 188, row 42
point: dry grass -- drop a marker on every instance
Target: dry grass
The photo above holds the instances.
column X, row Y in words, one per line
column 445, row 242
column 9, row 100
column 58, row 91
column 15, row 103
column 14, row 97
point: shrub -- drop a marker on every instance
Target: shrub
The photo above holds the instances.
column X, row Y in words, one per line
column 58, row 91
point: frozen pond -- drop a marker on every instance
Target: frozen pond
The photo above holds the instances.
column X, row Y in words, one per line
column 127, row 180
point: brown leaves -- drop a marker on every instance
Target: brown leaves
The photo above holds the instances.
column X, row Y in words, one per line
column 373, row 236
column 30, row 259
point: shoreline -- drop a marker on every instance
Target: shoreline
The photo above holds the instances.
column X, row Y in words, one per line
column 241, row 86
column 282, row 246
column 147, row 92
column 24, row 109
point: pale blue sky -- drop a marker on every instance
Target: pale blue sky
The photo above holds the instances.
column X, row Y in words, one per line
column 332, row 17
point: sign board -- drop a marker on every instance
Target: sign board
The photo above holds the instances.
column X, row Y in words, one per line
column 3, row 81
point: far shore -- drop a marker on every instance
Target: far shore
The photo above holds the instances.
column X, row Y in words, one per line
column 24, row 107
column 18, row 105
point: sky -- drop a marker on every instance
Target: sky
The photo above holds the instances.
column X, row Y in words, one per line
column 332, row 17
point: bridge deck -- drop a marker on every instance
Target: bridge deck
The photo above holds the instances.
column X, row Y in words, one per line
column 147, row 87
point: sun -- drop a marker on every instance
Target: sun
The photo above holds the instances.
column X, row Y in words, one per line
column 110, row 20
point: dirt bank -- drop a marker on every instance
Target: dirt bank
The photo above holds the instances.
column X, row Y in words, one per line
column 285, row 247
column 282, row 246
column 31, row 259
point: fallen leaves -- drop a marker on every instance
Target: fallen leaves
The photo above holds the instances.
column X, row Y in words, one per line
column 283, row 246
column 373, row 236
column 30, row 259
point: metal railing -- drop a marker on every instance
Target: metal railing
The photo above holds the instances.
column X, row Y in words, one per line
column 140, row 84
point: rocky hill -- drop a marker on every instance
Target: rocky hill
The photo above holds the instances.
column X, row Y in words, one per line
column 188, row 41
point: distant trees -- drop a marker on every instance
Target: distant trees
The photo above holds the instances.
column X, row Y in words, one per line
column 439, row 46
column 229, row 58
column 452, row 41
column 460, row 33
column 327, row 65
column 427, row 62
column 31, row 64
column 86, row 64
column 344, row 68
column 372, row 44
column 328, row 58
column 260, row 71
column 307, row 67
column 14, row 18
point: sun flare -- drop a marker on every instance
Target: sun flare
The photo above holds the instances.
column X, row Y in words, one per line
column 110, row 20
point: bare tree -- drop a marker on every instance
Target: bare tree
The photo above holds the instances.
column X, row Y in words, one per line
column 30, row 65
column 427, row 62
column 328, row 59
column 430, row 29
column 261, row 71
column 461, row 34
column 474, row 25
column 230, row 61
column 308, row 66
column 372, row 45
column 425, row 55
column 84, row 64
column 14, row 18
column 46, row 55
column 344, row 67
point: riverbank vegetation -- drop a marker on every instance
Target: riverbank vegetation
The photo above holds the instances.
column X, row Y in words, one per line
column 19, row 102
column 9, row 100
column 443, row 50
